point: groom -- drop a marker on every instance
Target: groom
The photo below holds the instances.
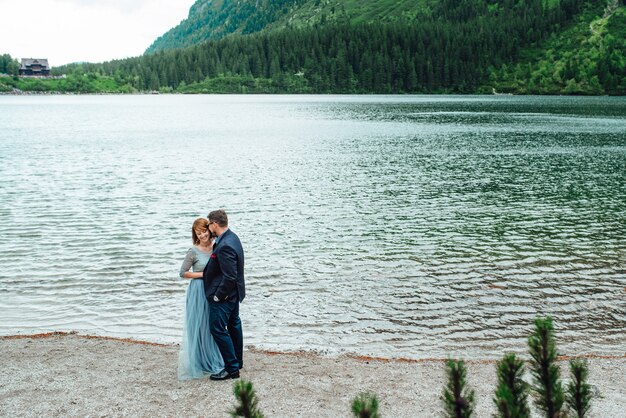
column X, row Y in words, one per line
column 224, row 287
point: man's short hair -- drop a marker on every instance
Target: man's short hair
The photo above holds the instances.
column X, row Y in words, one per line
column 219, row 217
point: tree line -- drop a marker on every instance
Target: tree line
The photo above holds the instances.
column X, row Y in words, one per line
column 8, row 65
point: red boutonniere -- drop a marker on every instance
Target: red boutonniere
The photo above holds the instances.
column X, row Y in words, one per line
column 213, row 256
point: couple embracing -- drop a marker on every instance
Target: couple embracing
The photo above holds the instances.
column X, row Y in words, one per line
column 212, row 335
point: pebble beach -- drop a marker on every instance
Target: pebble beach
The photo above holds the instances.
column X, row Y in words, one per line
column 66, row 374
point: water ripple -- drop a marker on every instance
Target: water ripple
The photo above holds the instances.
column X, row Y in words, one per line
column 412, row 226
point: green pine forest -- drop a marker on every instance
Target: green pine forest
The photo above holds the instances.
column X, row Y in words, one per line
column 380, row 46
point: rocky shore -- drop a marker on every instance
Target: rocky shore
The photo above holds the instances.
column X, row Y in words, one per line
column 72, row 375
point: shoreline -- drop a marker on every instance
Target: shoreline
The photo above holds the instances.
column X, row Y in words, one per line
column 65, row 373
column 289, row 353
column 174, row 93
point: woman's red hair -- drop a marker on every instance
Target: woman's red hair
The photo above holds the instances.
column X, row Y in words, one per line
column 200, row 224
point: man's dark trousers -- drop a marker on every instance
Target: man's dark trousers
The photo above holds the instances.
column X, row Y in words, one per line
column 225, row 327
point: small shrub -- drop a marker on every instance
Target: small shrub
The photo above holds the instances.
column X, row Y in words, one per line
column 365, row 406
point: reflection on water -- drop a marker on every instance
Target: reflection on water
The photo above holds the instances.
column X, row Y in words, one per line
column 385, row 225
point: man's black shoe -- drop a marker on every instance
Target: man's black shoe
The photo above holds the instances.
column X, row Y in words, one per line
column 223, row 375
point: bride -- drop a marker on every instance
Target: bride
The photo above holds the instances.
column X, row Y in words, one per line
column 199, row 355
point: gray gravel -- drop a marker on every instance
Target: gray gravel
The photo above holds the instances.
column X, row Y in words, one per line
column 73, row 375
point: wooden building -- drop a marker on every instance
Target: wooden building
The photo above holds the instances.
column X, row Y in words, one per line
column 34, row 66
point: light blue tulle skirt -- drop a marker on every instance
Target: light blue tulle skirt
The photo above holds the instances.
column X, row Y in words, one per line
column 199, row 355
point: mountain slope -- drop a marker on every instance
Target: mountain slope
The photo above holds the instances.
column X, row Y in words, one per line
column 589, row 57
column 212, row 20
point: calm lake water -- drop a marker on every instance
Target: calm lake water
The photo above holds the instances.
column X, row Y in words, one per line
column 401, row 226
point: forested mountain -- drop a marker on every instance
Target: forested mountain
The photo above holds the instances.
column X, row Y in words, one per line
column 381, row 46
column 214, row 19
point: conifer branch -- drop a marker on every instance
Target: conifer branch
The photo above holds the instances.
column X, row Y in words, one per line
column 512, row 392
column 458, row 399
column 578, row 395
column 547, row 384
column 503, row 402
column 247, row 407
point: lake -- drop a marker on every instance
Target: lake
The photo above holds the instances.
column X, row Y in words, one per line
column 394, row 226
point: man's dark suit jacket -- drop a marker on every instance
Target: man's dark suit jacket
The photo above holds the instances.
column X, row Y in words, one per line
column 223, row 274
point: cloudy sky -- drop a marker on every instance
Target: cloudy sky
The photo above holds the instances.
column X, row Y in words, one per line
column 66, row 31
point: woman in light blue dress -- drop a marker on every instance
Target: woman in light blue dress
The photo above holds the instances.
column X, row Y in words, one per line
column 199, row 355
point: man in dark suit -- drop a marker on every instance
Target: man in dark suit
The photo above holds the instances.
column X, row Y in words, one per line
column 224, row 287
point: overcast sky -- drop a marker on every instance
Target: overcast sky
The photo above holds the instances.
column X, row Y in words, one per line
column 65, row 31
